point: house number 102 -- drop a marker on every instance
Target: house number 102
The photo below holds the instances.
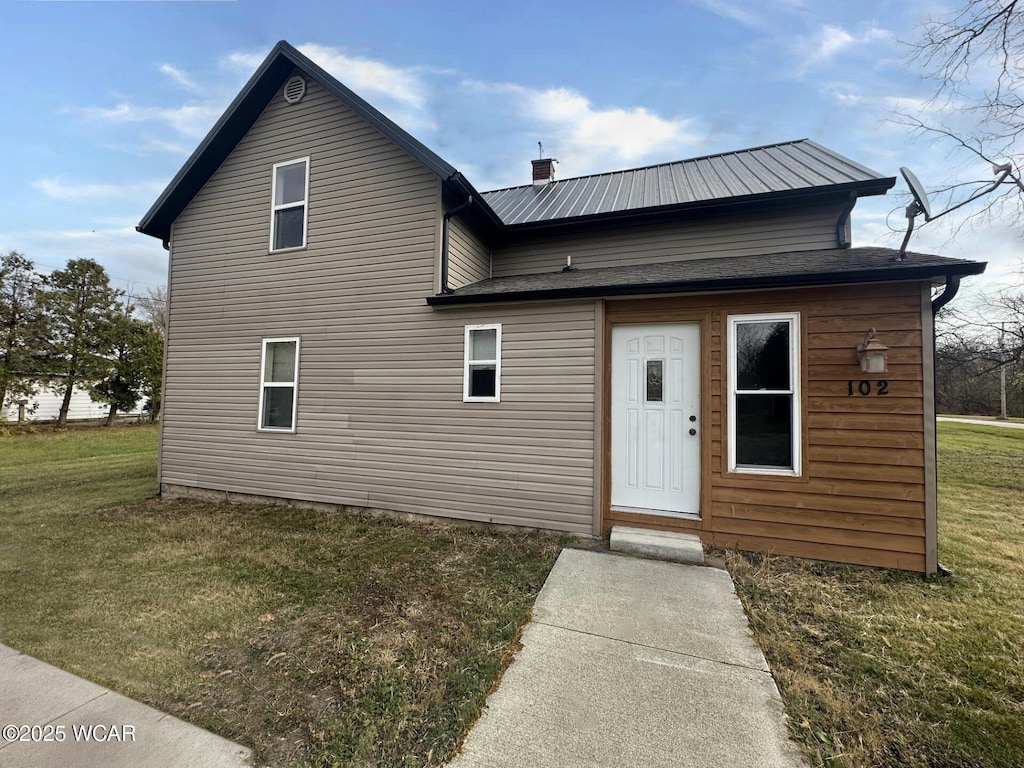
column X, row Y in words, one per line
column 864, row 388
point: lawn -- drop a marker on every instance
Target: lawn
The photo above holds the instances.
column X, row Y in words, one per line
column 318, row 639
column 879, row 668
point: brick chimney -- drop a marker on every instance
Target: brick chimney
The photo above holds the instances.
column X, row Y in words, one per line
column 543, row 171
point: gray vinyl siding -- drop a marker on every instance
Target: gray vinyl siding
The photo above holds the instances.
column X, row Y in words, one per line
column 380, row 418
column 469, row 258
column 806, row 228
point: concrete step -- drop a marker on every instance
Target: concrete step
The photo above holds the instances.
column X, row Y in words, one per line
column 657, row 545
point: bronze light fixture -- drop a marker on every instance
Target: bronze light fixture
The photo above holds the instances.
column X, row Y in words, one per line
column 873, row 354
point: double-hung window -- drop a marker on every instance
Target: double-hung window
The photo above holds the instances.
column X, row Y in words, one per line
column 288, row 205
column 764, row 393
column 482, row 370
column 279, row 385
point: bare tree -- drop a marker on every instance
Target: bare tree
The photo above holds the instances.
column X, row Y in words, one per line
column 975, row 57
column 979, row 352
column 152, row 305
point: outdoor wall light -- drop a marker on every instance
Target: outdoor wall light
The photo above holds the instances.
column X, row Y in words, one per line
column 873, row 354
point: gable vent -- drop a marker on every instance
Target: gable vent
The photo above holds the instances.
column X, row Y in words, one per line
column 294, row 90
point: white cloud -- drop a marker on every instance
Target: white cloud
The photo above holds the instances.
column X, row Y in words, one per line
column 731, row 11
column 591, row 139
column 153, row 144
column 179, row 77
column 243, row 61
column 915, row 105
column 59, row 190
column 846, row 94
column 402, row 93
column 829, row 41
column 128, row 257
column 191, row 120
column 854, row 95
column 369, row 75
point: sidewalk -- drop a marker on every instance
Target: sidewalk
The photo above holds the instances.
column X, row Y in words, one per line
column 122, row 733
column 982, row 422
column 635, row 663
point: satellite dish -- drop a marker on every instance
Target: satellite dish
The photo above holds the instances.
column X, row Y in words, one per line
column 917, row 190
column 921, row 204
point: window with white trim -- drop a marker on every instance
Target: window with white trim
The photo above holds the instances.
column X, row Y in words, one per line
column 764, row 393
column 482, row 371
column 288, row 205
column 279, row 385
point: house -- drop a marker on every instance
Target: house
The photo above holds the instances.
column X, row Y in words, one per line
column 45, row 406
column 352, row 323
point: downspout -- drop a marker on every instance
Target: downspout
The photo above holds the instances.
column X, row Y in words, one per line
column 952, row 286
column 842, row 241
column 445, row 288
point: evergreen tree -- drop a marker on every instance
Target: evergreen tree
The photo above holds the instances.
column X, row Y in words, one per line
column 135, row 366
column 81, row 311
column 21, row 329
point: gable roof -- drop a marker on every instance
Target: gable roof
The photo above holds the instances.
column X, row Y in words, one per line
column 243, row 112
column 773, row 170
column 761, row 173
column 830, row 266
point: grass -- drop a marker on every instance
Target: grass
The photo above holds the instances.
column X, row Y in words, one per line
column 318, row 639
column 880, row 668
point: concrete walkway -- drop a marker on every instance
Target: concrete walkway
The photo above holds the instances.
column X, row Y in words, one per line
column 637, row 663
column 122, row 733
column 982, row 422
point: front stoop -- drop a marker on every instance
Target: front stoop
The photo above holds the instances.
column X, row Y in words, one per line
column 657, row 545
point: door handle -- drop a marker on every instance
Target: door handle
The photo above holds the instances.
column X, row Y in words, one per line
column 693, row 431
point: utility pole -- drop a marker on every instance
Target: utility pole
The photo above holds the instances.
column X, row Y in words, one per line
column 1002, row 373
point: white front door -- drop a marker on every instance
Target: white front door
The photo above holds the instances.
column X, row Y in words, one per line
column 655, row 418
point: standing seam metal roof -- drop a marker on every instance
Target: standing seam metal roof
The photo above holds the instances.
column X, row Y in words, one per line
column 777, row 168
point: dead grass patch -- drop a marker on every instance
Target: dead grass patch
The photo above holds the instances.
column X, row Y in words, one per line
column 881, row 668
column 318, row 639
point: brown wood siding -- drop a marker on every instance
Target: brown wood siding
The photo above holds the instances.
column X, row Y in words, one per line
column 805, row 227
column 380, row 420
column 469, row 258
column 861, row 494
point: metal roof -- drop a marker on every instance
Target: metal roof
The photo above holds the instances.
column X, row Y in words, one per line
column 773, row 170
column 830, row 266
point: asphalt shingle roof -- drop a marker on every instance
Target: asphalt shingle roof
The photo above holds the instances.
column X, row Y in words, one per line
column 775, row 169
column 795, row 268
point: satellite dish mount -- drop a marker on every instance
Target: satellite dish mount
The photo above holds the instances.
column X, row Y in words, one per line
column 921, row 205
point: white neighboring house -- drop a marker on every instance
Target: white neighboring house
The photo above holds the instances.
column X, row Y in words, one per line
column 82, row 407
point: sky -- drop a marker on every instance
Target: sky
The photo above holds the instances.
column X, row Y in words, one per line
column 101, row 102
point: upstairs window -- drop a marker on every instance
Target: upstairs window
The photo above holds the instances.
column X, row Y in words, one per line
column 482, row 373
column 279, row 386
column 288, row 205
column 764, row 393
